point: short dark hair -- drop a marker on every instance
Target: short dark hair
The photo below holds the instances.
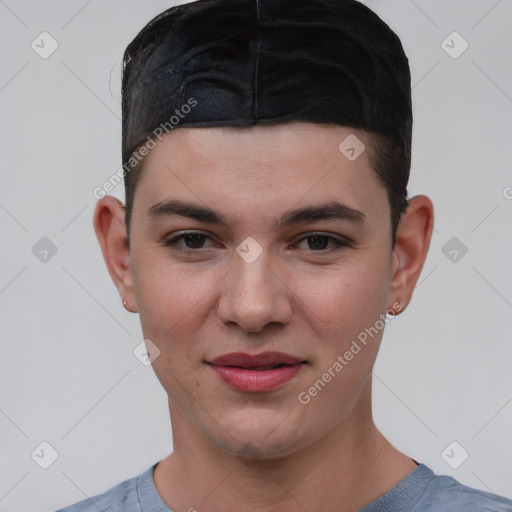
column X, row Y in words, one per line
column 247, row 62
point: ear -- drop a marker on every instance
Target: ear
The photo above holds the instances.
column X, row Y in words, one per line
column 411, row 247
column 110, row 227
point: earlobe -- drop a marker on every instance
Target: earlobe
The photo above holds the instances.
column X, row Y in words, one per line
column 411, row 248
column 110, row 228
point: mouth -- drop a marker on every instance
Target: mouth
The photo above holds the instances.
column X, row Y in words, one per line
column 256, row 373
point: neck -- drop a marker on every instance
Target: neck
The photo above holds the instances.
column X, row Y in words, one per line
column 342, row 472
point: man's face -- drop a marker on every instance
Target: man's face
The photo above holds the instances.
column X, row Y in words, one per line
column 289, row 288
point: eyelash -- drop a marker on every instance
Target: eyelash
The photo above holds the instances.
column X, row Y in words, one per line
column 341, row 243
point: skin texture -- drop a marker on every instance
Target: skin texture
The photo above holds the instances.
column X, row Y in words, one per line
column 266, row 450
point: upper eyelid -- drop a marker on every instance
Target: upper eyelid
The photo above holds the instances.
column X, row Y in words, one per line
column 338, row 238
column 185, row 233
column 180, row 236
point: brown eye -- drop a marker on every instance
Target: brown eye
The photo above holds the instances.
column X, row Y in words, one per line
column 319, row 242
column 192, row 241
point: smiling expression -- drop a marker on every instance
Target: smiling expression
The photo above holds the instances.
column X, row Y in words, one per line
column 249, row 241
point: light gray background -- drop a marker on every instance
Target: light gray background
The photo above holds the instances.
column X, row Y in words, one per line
column 67, row 372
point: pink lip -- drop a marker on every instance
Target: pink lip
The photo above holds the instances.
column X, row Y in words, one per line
column 250, row 373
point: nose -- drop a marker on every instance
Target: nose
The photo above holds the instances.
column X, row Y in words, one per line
column 254, row 295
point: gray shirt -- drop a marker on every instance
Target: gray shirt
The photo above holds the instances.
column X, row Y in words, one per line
column 421, row 490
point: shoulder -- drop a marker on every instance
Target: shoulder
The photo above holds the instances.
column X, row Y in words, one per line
column 121, row 498
column 445, row 494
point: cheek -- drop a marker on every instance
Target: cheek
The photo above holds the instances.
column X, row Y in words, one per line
column 346, row 307
column 348, row 298
column 173, row 301
column 172, row 306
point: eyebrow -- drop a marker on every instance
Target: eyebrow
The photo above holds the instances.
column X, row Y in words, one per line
column 330, row 211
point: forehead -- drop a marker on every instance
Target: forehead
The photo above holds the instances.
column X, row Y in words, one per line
column 264, row 165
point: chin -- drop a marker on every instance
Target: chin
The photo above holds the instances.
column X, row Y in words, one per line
column 260, row 434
